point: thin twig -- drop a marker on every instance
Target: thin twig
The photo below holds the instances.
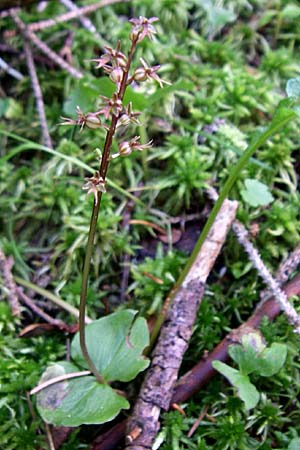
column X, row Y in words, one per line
column 54, row 380
column 38, row 311
column 49, row 437
column 157, row 389
column 85, row 21
column 37, row 26
column 7, row 13
column 38, row 95
column 6, row 265
column 286, row 268
column 10, row 70
column 53, row 298
column 197, row 422
column 44, row 48
column 263, row 271
column 254, row 256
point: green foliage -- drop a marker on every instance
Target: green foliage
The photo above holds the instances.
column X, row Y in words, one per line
column 251, row 357
column 227, row 60
column 115, row 345
column 256, row 193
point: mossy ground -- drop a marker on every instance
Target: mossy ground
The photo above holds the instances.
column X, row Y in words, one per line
column 229, row 62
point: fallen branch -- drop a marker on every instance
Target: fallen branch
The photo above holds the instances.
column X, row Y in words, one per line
column 157, row 389
column 263, row 271
column 44, row 48
column 10, row 70
column 85, row 21
column 286, row 268
column 202, row 373
column 38, row 311
column 38, row 95
column 37, row 26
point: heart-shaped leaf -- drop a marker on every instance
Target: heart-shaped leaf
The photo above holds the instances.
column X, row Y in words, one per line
column 271, row 360
column 246, row 390
column 115, row 344
column 77, row 401
column 256, row 193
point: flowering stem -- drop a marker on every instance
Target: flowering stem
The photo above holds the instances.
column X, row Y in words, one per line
column 94, row 218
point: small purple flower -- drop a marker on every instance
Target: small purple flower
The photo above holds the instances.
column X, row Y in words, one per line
column 114, row 56
column 146, row 72
column 126, row 147
column 91, row 120
column 142, row 27
column 112, row 105
column 94, row 185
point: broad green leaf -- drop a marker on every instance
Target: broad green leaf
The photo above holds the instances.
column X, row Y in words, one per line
column 271, row 360
column 77, row 401
column 115, row 345
column 256, row 193
column 290, row 11
column 4, row 104
column 246, row 355
column 86, row 94
column 294, row 444
column 83, row 95
column 246, row 390
column 293, row 87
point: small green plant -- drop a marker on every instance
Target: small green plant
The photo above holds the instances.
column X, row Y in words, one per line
column 252, row 357
column 74, row 397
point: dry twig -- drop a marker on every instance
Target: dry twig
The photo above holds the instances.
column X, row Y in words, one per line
column 37, row 26
column 157, row 389
column 10, row 70
column 6, row 265
column 85, row 21
column 263, row 271
column 44, row 48
column 38, row 311
column 286, row 268
column 38, row 95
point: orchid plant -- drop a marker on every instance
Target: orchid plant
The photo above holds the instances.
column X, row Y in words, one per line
column 117, row 65
column 66, row 394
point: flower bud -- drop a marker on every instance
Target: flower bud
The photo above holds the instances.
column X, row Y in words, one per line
column 125, row 148
column 140, row 74
column 116, row 75
column 92, row 121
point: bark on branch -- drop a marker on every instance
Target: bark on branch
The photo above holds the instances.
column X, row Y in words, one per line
column 157, row 389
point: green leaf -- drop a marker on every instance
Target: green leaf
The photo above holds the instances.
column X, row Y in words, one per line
column 290, row 11
column 77, row 401
column 293, row 87
column 271, row 360
column 294, row 444
column 256, row 193
column 115, row 344
column 83, row 95
column 246, row 390
column 246, row 355
column 87, row 91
